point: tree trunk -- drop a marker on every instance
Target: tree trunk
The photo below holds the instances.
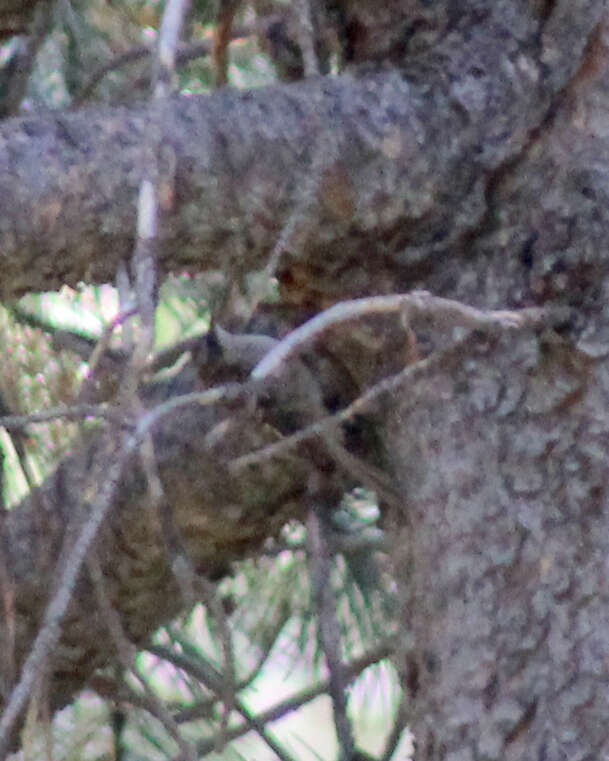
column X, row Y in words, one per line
column 502, row 456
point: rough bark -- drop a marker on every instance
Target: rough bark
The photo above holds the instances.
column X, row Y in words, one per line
column 504, row 566
column 478, row 170
column 410, row 154
column 503, row 463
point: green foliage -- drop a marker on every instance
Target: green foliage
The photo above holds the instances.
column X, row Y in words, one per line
column 96, row 52
column 34, row 377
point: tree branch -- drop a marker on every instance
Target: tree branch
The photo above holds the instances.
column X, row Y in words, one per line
column 413, row 152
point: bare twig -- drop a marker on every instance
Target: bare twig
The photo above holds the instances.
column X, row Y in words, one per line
column 306, row 37
column 156, row 190
column 18, row 440
column 320, row 570
column 179, row 562
column 169, row 38
column 451, row 313
column 96, row 352
column 125, row 299
column 108, row 475
column 105, row 477
column 229, row 679
column 364, row 403
column 145, row 276
column 213, row 680
column 100, row 350
column 204, row 709
column 228, row 392
column 126, row 652
column 185, row 53
column 415, row 304
column 351, row 670
column 227, row 10
column 129, row 56
column 72, row 412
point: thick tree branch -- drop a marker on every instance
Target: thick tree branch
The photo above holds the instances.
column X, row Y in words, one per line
column 415, row 149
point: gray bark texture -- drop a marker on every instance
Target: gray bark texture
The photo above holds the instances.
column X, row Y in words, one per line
column 473, row 164
column 505, row 583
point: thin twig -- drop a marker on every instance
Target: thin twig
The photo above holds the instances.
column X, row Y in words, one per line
column 157, row 502
column 71, row 412
column 105, row 475
column 101, row 347
column 203, row 670
column 229, row 681
column 351, row 670
column 451, row 312
column 320, row 570
column 364, row 403
column 156, row 191
column 415, row 304
column 228, row 392
column 185, row 53
column 127, row 652
column 204, row 709
column 109, row 477
column 306, row 37
column 169, row 38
